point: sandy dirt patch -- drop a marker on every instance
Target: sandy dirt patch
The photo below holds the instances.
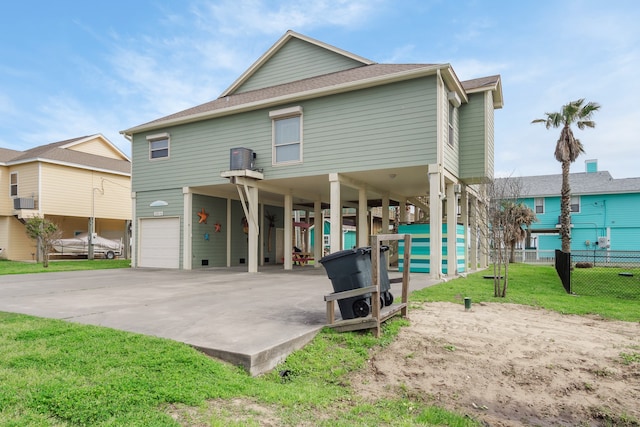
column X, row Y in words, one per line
column 512, row 365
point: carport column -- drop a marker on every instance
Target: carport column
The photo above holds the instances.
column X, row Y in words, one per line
column 318, row 225
column 403, row 212
column 187, row 231
column 363, row 225
column 452, row 217
column 252, row 202
column 134, row 232
column 435, row 215
column 464, row 214
column 473, row 231
column 228, row 229
column 484, row 234
column 336, row 213
column 385, row 214
column 288, row 231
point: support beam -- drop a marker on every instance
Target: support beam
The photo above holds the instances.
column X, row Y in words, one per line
column 385, row 214
column 363, row 226
column 452, row 217
column 288, row 231
column 228, row 227
column 336, row 215
column 464, row 214
column 473, row 225
column 187, row 233
column 318, row 225
column 435, row 216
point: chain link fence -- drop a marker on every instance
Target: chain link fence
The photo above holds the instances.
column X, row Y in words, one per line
column 595, row 272
column 606, row 273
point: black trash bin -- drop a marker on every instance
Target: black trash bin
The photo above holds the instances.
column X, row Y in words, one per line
column 350, row 269
column 386, row 298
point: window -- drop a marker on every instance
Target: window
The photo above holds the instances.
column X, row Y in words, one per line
column 158, row 146
column 575, row 204
column 287, row 135
column 539, row 204
column 451, row 133
column 13, row 187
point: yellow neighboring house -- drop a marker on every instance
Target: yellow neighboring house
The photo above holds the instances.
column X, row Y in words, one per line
column 69, row 183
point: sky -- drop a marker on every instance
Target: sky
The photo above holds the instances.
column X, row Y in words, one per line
column 70, row 68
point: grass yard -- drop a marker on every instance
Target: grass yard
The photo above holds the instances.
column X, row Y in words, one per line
column 19, row 267
column 619, row 282
column 54, row 373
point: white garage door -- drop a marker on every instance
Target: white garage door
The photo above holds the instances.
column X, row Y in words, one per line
column 159, row 242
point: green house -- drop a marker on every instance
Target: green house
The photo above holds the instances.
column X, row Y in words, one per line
column 310, row 127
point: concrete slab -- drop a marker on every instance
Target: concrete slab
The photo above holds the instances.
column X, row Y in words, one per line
column 252, row 320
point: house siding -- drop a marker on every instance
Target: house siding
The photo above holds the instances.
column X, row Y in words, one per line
column 5, row 198
column 207, row 244
column 297, row 60
column 382, row 127
column 599, row 214
column 27, row 180
column 476, row 138
column 97, row 147
column 69, row 192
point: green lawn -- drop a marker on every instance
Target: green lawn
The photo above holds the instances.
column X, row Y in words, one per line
column 54, row 373
column 18, row 267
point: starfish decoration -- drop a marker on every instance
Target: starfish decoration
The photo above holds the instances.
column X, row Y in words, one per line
column 218, row 226
column 203, row 216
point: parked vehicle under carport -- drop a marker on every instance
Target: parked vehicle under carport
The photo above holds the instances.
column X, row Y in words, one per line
column 79, row 246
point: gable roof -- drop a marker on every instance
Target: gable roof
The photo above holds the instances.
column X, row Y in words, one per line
column 582, row 183
column 7, row 154
column 59, row 153
column 278, row 46
column 367, row 75
column 492, row 83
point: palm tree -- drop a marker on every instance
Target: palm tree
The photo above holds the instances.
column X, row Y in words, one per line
column 568, row 148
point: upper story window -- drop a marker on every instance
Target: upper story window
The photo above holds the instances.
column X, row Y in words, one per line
column 575, row 204
column 539, row 205
column 158, row 146
column 287, row 135
column 451, row 129
column 13, row 185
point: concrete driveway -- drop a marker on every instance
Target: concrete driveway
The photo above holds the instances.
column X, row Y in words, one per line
column 252, row 320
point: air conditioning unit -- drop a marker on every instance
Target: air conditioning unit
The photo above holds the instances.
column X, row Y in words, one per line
column 603, row 242
column 242, row 158
column 24, row 203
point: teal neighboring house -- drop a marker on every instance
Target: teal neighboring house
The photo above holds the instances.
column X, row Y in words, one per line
column 311, row 127
column 604, row 211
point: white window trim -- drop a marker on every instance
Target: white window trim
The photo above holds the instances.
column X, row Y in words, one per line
column 17, row 184
column 286, row 113
column 158, row 136
column 579, row 204
column 535, row 206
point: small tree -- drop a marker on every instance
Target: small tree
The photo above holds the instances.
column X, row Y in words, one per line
column 507, row 218
column 45, row 233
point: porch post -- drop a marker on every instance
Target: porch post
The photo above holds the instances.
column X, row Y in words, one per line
column 473, row 258
column 187, row 232
column 288, row 231
column 318, row 225
column 464, row 214
column 252, row 202
column 363, row 226
column 385, row 214
column 336, row 214
column 452, row 250
column 435, row 215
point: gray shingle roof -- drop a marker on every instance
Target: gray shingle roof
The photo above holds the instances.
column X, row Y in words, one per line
column 582, row 183
column 54, row 153
column 320, row 82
